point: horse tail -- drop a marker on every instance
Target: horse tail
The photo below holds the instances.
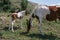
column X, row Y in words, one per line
column 30, row 20
column 29, row 23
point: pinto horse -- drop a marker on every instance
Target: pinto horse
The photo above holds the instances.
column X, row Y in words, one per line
column 50, row 13
column 14, row 16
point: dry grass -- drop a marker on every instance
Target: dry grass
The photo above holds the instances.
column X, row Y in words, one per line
column 51, row 30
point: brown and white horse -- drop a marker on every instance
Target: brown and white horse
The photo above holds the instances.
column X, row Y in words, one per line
column 15, row 16
column 48, row 12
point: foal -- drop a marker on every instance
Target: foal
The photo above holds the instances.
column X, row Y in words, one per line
column 15, row 16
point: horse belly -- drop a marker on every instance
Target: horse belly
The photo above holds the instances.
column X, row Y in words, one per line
column 42, row 12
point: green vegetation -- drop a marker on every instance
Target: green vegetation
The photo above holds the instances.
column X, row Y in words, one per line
column 12, row 5
column 51, row 30
column 24, row 4
column 5, row 5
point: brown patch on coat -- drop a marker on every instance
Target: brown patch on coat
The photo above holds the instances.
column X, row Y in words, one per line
column 14, row 16
column 53, row 8
column 54, row 14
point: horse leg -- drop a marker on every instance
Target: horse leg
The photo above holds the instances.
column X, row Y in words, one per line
column 20, row 23
column 12, row 23
column 40, row 25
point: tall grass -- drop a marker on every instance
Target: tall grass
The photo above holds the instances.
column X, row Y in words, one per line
column 51, row 30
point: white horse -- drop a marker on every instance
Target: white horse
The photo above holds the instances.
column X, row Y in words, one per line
column 41, row 12
column 14, row 16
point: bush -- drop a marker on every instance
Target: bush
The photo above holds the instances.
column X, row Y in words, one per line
column 24, row 4
column 5, row 5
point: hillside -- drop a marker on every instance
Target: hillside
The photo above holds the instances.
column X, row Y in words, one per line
column 16, row 4
column 51, row 29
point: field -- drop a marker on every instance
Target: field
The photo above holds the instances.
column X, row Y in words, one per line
column 51, row 30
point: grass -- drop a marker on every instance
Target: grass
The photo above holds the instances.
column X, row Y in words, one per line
column 51, row 30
